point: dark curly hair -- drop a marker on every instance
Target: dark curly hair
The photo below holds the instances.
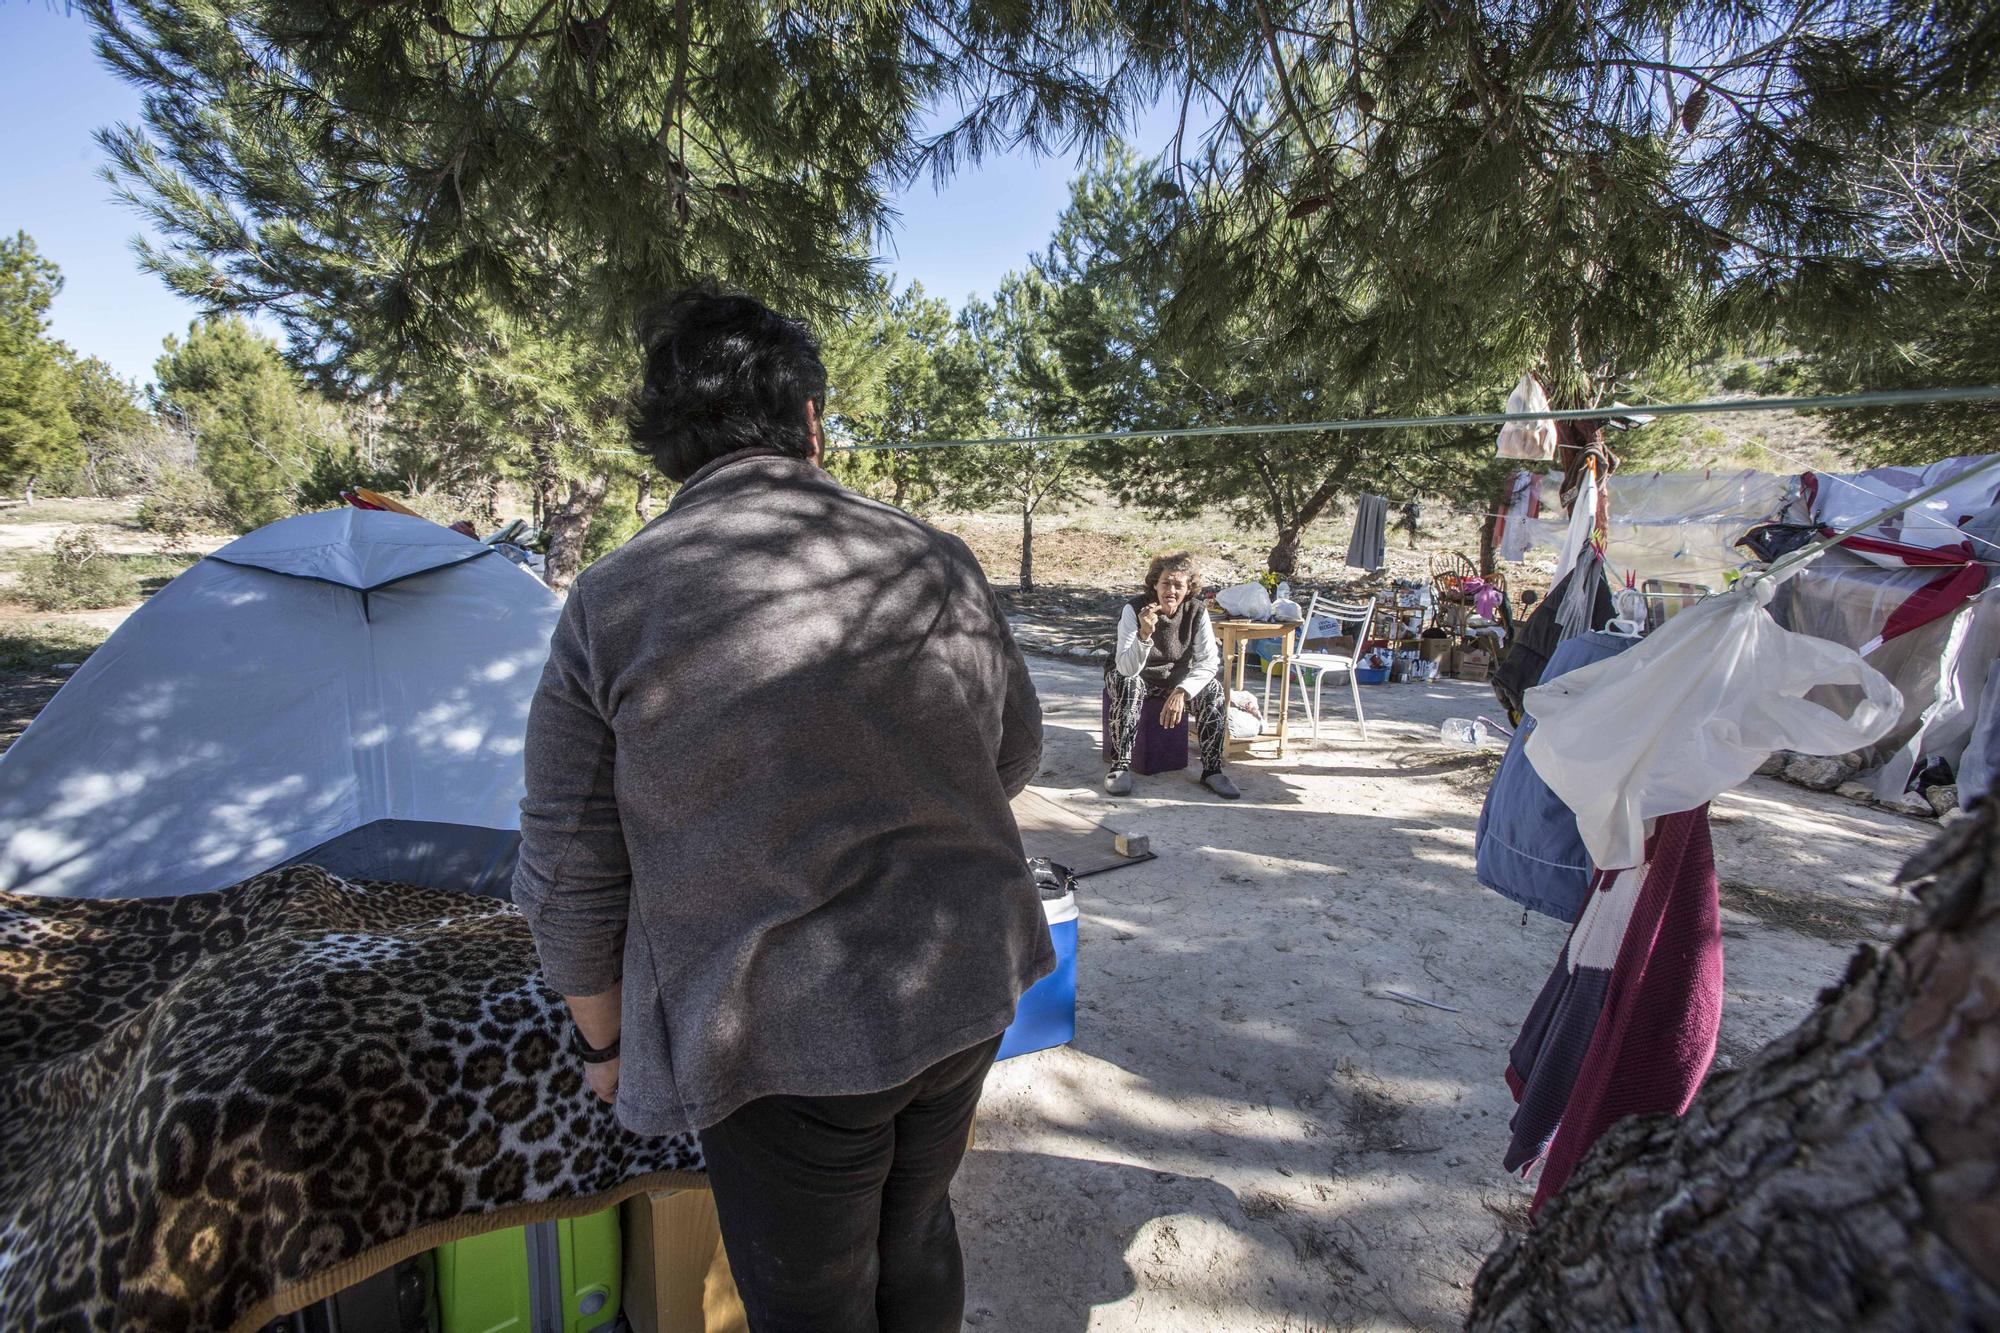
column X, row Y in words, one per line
column 724, row 372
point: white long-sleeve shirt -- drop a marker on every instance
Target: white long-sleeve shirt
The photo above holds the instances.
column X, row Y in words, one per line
column 1132, row 651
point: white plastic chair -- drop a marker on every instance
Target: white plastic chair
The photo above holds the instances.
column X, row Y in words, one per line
column 1360, row 614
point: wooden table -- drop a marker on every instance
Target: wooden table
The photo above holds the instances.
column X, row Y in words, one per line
column 1234, row 637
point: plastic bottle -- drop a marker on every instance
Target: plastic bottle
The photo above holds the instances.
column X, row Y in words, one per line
column 1469, row 733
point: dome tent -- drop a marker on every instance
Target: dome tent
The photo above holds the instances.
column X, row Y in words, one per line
column 348, row 688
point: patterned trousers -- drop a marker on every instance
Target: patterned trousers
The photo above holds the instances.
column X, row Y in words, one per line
column 1208, row 714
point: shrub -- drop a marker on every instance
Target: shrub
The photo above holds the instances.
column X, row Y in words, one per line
column 1741, row 376
column 77, row 576
column 179, row 503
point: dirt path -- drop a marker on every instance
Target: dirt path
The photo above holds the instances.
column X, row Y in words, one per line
column 1246, row 1133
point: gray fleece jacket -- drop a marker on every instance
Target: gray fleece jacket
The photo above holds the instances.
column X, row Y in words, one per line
column 768, row 774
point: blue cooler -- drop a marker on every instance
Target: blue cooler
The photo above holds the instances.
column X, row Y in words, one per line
column 1046, row 1014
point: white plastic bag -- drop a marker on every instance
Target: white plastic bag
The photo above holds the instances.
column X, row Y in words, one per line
column 1693, row 710
column 1528, row 439
column 1286, row 609
column 1246, row 601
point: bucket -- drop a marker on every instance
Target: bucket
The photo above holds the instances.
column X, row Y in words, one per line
column 1046, row 1013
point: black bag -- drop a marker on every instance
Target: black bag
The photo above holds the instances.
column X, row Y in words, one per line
column 1536, row 644
column 1051, row 879
column 1768, row 541
column 402, row 1299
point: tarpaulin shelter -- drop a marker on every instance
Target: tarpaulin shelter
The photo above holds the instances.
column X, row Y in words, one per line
column 1915, row 594
column 348, row 688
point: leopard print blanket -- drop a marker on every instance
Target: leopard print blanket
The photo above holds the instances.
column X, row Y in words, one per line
column 216, row 1108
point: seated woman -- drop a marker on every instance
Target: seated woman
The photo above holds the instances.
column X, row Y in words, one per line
column 1166, row 647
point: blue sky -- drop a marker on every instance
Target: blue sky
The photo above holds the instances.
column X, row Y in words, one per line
column 54, row 94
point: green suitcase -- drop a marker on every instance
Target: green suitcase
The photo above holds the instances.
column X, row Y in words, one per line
column 549, row 1277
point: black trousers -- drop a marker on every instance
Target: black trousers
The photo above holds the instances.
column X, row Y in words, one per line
column 836, row 1211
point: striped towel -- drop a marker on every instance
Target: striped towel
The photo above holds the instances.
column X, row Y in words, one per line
column 1626, row 1023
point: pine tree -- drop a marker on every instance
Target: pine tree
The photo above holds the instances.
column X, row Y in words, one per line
column 368, row 173
column 258, row 432
column 37, row 433
column 105, row 408
column 1027, row 393
column 1113, row 262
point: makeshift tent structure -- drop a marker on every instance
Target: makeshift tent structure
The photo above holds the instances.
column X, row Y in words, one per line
column 1915, row 595
column 348, row 688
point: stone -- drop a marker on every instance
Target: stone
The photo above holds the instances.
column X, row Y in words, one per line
column 1820, row 772
column 1855, row 791
column 1943, row 800
column 1775, row 765
column 1130, row 844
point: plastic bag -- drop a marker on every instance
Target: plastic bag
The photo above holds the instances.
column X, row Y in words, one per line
column 1286, row 609
column 1690, row 712
column 1245, row 601
column 1528, row 439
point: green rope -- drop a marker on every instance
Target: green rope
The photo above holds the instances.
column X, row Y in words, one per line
column 1889, row 398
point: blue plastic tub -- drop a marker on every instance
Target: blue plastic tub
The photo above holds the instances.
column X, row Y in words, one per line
column 1046, row 1014
column 1372, row 675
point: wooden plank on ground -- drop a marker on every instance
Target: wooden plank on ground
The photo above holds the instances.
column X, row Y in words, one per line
column 1067, row 838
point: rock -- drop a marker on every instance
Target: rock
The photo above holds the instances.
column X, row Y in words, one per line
column 1909, row 803
column 1820, row 772
column 1854, row 791
column 1775, row 765
column 1943, row 800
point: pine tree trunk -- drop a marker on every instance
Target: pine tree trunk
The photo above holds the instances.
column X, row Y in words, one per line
column 1285, row 555
column 643, row 504
column 1847, row 1177
column 567, row 524
column 28, row 492
column 1488, row 557
column 1027, row 549
column 548, row 472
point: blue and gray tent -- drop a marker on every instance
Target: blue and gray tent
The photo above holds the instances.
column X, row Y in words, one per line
column 347, row 688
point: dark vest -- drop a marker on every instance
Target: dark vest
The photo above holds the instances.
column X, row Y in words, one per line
column 1172, row 652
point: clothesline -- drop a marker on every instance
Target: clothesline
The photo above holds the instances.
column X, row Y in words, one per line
column 1818, row 402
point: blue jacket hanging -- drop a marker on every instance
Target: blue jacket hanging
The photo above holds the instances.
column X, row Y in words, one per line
column 1528, row 848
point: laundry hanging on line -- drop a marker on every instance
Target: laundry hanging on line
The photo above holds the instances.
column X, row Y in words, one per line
column 1626, row 1023
column 1368, row 548
column 1691, row 712
column 1513, row 534
column 1526, row 847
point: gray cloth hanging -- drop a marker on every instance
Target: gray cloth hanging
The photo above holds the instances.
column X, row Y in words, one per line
column 1368, row 548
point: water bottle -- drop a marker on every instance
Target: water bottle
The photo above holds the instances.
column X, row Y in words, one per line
column 1469, row 733
column 1460, row 733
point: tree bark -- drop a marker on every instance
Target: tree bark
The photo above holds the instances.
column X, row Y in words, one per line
column 1027, row 549
column 28, row 492
column 566, row 526
column 1284, row 558
column 643, row 504
column 1488, row 559
column 1847, row 1177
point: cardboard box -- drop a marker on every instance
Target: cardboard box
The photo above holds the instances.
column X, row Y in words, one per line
column 677, row 1278
column 1475, row 665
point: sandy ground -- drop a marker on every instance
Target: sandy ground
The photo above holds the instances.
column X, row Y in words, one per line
column 1246, row 1133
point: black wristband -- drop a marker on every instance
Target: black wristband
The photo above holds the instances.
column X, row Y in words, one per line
column 587, row 1053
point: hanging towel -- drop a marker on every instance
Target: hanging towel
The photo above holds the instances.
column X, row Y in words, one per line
column 1626, row 1024
column 1513, row 534
column 1527, row 848
column 1369, row 546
